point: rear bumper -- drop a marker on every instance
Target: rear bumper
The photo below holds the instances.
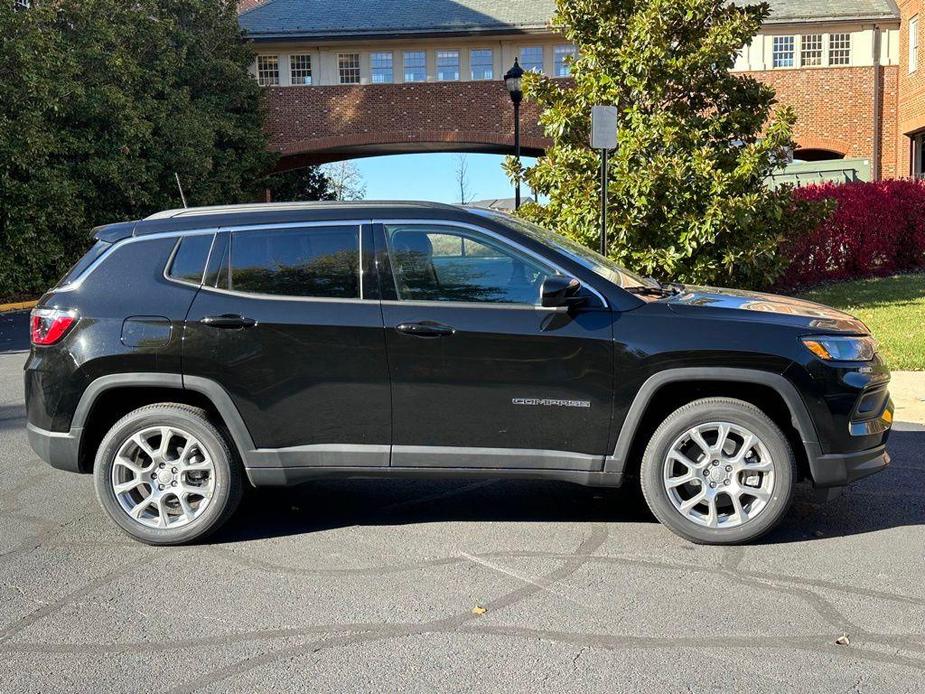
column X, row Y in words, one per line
column 837, row 470
column 59, row 449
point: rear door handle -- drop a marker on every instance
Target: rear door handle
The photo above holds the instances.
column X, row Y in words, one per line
column 228, row 321
column 425, row 329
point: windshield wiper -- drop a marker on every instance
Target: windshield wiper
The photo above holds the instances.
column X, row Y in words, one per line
column 660, row 288
column 647, row 289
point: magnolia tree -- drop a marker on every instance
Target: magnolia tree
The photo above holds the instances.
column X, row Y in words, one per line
column 687, row 183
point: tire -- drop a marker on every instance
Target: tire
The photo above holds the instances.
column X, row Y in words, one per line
column 762, row 480
column 193, row 482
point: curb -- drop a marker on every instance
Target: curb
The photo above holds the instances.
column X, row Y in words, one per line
column 18, row 306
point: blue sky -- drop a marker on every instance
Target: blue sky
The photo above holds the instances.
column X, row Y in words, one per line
column 433, row 177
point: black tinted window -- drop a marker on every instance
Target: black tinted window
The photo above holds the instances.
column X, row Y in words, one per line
column 95, row 252
column 189, row 261
column 446, row 264
column 315, row 262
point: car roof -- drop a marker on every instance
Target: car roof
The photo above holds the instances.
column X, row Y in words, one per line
column 269, row 207
column 187, row 219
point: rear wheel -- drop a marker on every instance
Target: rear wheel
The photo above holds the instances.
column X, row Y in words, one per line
column 718, row 471
column 166, row 475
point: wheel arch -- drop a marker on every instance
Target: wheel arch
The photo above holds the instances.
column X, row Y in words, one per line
column 666, row 391
column 109, row 398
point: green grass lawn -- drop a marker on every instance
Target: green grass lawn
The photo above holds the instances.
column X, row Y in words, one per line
column 894, row 310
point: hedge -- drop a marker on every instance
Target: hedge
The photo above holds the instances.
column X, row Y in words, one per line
column 876, row 229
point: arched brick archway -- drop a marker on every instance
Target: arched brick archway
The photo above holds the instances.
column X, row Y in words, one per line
column 809, row 143
column 814, row 154
column 316, row 125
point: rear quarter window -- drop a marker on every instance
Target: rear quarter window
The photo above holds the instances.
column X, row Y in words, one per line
column 96, row 250
column 189, row 258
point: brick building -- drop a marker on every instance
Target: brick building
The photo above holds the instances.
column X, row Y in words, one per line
column 355, row 78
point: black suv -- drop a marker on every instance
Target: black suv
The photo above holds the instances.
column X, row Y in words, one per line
column 196, row 349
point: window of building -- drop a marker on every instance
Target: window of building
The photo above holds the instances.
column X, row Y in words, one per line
column 447, row 66
column 481, row 64
column 319, row 262
column 918, row 155
column 449, row 264
column 782, row 50
column 840, row 49
column 380, row 66
column 415, row 66
column 811, row 50
column 268, row 70
column 914, row 44
column 348, row 68
column 300, row 68
column 531, row 58
column 561, row 55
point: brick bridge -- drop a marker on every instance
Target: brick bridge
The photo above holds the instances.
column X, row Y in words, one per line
column 319, row 124
column 315, row 125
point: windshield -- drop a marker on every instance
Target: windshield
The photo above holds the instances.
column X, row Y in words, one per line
column 595, row 262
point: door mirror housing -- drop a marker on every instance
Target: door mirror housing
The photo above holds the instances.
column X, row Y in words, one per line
column 561, row 292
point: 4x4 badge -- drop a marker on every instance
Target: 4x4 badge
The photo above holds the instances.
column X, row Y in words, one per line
column 550, row 402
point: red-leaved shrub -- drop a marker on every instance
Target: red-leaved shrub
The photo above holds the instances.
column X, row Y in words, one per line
column 876, row 229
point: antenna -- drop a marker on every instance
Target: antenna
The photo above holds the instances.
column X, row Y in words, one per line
column 180, row 186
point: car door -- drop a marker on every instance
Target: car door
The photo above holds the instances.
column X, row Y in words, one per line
column 291, row 328
column 482, row 375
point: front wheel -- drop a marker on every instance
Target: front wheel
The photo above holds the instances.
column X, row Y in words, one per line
column 166, row 475
column 718, row 471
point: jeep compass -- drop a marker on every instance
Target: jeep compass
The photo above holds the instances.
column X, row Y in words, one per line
column 199, row 351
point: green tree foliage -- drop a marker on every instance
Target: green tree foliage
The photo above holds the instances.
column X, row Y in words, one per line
column 298, row 185
column 687, row 190
column 101, row 101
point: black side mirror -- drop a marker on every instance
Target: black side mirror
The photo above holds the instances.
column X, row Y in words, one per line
column 561, row 292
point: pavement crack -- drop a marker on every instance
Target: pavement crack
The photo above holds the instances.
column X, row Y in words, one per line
column 545, row 586
column 577, row 656
column 591, row 543
column 49, row 608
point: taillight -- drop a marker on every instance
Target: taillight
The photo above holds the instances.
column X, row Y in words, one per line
column 49, row 325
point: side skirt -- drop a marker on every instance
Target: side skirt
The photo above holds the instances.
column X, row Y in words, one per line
column 288, row 476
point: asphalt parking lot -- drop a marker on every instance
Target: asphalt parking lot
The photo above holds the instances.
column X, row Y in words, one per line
column 370, row 586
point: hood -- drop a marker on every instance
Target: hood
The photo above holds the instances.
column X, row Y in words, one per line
column 737, row 304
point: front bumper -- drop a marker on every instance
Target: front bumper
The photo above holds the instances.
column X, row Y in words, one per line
column 852, row 415
column 837, row 470
column 61, row 450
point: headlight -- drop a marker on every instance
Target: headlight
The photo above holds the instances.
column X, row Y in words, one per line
column 842, row 348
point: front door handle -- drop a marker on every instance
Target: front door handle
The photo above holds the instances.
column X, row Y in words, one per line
column 228, row 321
column 425, row 329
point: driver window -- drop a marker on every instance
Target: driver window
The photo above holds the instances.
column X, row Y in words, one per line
column 451, row 264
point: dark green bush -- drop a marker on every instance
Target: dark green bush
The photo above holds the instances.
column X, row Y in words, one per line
column 101, row 101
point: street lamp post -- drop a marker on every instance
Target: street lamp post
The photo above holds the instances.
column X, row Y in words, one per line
column 512, row 79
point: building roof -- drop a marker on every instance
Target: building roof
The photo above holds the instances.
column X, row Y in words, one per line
column 324, row 19
column 355, row 18
column 784, row 11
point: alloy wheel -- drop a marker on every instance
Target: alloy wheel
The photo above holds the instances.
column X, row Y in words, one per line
column 163, row 477
column 719, row 475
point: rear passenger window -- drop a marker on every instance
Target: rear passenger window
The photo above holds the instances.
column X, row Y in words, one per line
column 320, row 262
column 189, row 260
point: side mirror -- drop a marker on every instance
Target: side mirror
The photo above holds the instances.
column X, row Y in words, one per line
column 561, row 292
